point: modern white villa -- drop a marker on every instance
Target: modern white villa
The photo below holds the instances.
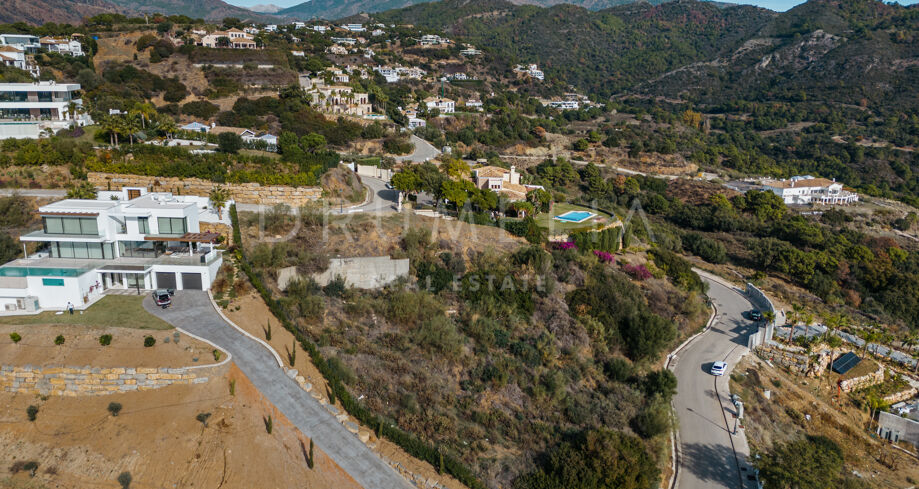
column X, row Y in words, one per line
column 807, row 189
column 27, row 109
column 128, row 239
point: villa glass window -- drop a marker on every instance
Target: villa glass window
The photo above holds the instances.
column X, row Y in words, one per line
column 141, row 249
column 71, row 225
column 171, row 225
column 143, row 225
column 67, row 249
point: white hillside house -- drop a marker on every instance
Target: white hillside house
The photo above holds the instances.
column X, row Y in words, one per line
column 807, row 190
column 444, row 105
column 128, row 239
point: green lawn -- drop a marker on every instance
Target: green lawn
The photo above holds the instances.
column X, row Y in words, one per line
column 120, row 311
column 548, row 221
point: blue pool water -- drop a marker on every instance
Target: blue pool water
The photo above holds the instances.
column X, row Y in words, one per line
column 40, row 272
column 575, row 216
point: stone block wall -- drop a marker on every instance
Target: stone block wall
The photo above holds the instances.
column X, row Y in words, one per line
column 864, row 381
column 94, row 381
column 901, row 396
column 244, row 193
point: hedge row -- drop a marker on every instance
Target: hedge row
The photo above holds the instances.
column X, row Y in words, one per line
column 410, row 443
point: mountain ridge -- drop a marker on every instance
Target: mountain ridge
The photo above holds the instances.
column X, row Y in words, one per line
column 338, row 9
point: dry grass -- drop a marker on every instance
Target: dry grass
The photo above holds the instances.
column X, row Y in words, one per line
column 793, row 399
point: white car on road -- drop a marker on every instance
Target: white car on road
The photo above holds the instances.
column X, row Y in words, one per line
column 718, row 368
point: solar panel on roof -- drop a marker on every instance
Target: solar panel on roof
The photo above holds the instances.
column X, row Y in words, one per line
column 845, row 363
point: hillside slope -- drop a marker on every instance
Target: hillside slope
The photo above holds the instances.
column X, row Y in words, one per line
column 602, row 52
column 38, row 12
column 859, row 52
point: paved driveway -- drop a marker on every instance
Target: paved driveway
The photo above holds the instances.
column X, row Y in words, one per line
column 702, row 403
column 192, row 311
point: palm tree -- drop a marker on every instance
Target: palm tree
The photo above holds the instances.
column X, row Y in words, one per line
column 875, row 404
column 131, row 126
column 832, row 322
column 145, row 111
column 796, row 311
column 165, row 124
column 112, row 126
column 219, row 197
column 808, row 321
column 769, row 317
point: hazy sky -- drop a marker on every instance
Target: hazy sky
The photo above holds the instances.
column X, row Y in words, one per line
column 771, row 4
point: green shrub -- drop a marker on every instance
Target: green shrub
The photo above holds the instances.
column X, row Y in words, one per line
column 32, row 412
column 59, row 340
column 114, row 408
column 200, row 108
column 217, row 354
column 341, row 371
column 105, row 340
column 202, row 418
column 125, row 479
column 600, row 459
column 15, row 337
column 31, row 466
column 269, row 424
column 149, row 341
column 653, row 420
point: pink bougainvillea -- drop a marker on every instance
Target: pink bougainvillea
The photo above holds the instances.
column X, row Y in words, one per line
column 567, row 245
column 605, row 256
column 638, row 272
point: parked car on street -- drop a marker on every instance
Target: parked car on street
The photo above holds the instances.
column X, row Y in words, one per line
column 718, row 368
column 755, row 315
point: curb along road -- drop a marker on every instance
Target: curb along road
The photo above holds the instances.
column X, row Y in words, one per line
column 706, row 454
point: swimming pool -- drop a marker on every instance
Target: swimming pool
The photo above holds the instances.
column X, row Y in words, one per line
column 575, row 216
column 40, row 272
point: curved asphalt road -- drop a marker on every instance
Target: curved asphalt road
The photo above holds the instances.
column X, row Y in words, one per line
column 709, row 456
column 192, row 311
column 424, row 151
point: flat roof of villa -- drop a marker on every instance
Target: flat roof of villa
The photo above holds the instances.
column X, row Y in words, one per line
column 76, row 206
column 39, row 87
column 148, row 202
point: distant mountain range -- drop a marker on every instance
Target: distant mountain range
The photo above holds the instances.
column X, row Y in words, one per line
column 337, row 9
column 73, row 11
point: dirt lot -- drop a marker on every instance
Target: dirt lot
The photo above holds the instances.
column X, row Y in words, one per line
column 366, row 235
column 157, row 438
column 81, row 347
column 253, row 316
column 795, row 399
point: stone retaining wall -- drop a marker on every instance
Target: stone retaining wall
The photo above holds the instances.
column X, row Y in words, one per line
column 243, row 193
column 864, row 381
column 92, row 381
column 901, row 396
